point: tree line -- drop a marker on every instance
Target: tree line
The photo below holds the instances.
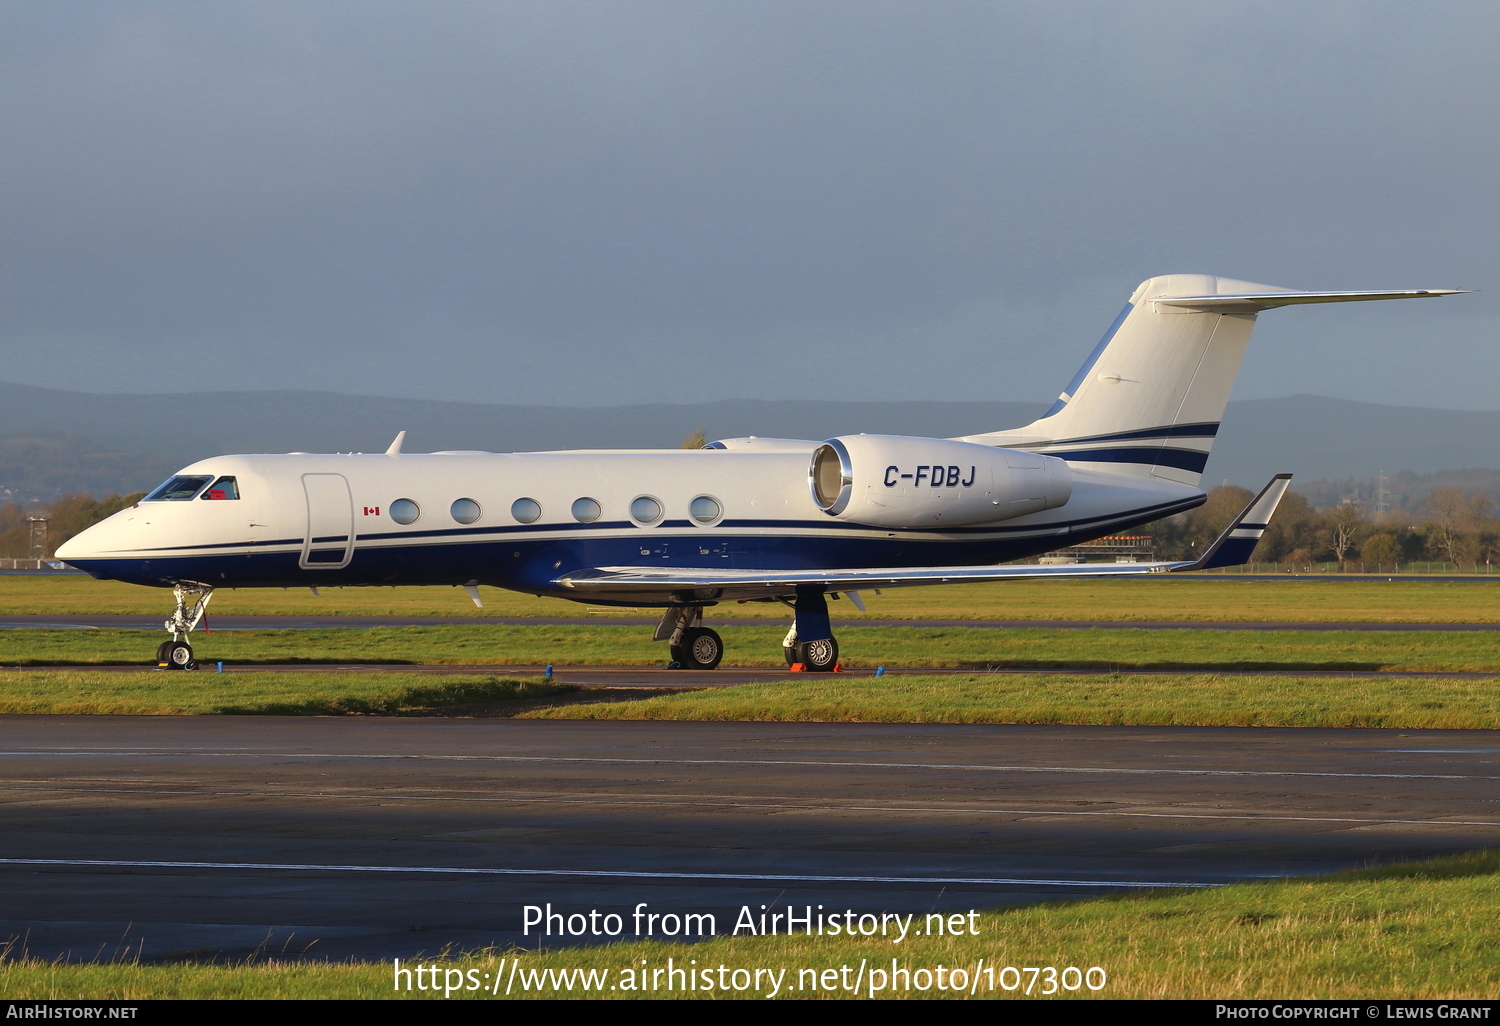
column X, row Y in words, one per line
column 66, row 517
column 1450, row 526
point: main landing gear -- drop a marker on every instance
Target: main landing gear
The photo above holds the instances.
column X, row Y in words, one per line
column 693, row 647
column 192, row 603
column 809, row 643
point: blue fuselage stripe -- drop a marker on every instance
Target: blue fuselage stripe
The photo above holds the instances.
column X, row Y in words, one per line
column 1153, row 456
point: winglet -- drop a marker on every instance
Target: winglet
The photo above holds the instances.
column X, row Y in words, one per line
column 1234, row 546
column 395, row 449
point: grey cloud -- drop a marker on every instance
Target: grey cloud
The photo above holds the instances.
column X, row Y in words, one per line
column 602, row 202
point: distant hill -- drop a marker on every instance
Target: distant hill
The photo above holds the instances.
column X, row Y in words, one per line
column 1403, row 491
column 208, row 423
column 1317, row 437
column 38, row 466
column 54, row 441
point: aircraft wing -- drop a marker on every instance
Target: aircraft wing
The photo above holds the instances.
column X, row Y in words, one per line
column 1232, row 548
column 636, row 578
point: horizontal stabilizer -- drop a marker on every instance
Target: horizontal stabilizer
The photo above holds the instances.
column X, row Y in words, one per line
column 1254, row 302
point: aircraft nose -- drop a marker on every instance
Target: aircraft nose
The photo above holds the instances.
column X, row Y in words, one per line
column 77, row 547
column 101, row 541
column 103, row 550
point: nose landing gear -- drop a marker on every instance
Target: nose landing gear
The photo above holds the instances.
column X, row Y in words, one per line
column 175, row 655
column 192, row 603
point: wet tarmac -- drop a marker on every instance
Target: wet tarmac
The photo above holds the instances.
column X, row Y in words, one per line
column 214, row 837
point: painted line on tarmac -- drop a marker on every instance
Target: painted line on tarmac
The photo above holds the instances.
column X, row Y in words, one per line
column 609, row 873
column 732, row 802
column 823, row 764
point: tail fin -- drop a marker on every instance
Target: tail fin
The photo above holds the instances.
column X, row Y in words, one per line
column 1148, row 400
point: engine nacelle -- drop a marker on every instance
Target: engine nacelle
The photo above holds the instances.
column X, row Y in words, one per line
column 904, row 482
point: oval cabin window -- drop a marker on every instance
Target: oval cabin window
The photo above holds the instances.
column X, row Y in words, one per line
column 706, row 509
column 526, row 511
column 465, row 511
column 645, row 510
column 404, row 511
column 586, row 510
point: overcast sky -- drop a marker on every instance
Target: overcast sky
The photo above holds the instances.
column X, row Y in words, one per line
column 598, row 203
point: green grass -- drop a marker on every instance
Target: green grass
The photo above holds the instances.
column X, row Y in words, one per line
column 1137, row 700
column 1426, row 930
column 1134, row 700
column 1156, row 598
column 600, row 645
column 285, row 694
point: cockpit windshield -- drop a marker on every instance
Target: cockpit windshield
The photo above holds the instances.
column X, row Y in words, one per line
column 223, row 488
column 178, row 489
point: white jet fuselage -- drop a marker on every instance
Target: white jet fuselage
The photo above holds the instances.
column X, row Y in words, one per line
column 327, row 520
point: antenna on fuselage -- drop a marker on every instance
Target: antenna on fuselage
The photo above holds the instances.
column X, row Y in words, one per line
column 395, row 449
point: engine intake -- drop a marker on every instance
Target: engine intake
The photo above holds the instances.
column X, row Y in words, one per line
column 900, row 481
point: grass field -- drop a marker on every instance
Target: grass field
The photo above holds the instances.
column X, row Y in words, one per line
column 603, row 645
column 1426, row 930
column 283, row 694
column 1138, row 700
column 1159, row 598
column 1143, row 700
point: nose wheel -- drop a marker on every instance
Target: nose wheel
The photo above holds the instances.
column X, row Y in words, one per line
column 192, row 603
column 175, row 655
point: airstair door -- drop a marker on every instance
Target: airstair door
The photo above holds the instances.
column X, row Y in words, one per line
column 330, row 522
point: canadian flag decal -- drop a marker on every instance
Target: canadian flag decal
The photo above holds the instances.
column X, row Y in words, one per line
column 372, row 511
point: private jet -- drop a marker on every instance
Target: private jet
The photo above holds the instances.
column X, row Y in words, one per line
column 757, row 519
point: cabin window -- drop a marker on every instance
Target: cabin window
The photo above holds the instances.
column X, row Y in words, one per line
column 586, row 510
column 705, row 509
column 223, row 488
column 404, row 511
column 178, row 489
column 526, row 511
column 645, row 510
column 465, row 511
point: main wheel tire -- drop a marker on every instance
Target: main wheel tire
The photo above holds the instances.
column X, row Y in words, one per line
column 790, row 653
column 701, row 649
column 819, row 656
column 179, row 656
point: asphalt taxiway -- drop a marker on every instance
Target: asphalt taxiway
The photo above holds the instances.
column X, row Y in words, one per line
column 336, row 837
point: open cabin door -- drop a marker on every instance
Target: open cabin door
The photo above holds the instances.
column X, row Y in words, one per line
column 330, row 522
